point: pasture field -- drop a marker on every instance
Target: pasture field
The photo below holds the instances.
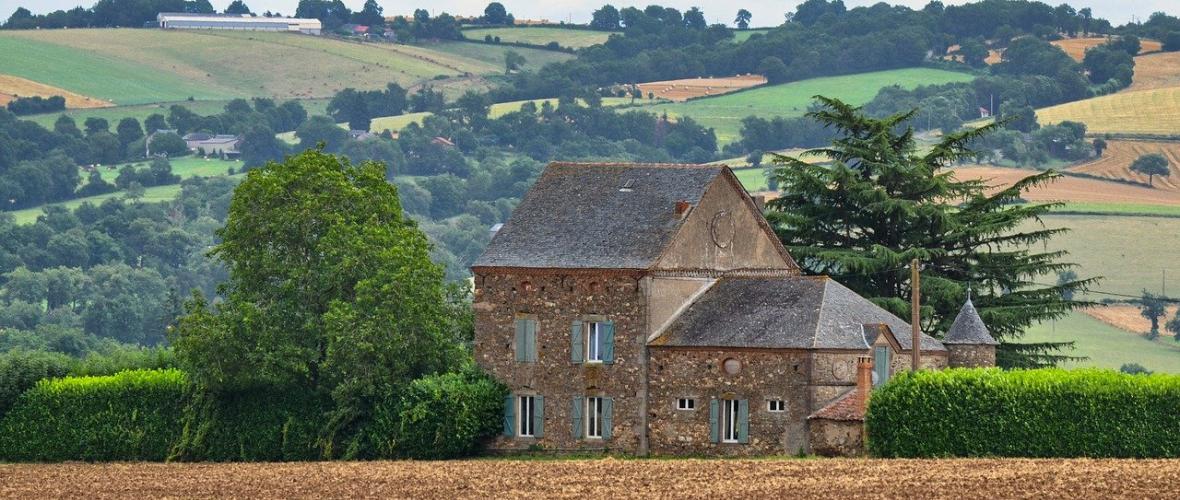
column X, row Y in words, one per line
column 185, row 167
column 540, row 35
column 1143, row 112
column 725, row 113
column 740, row 36
column 152, row 194
column 1105, row 345
column 1073, row 189
column 1116, row 160
column 496, row 110
column 603, row 477
column 690, row 88
column 12, row 87
column 1129, row 253
column 490, row 57
column 1156, row 71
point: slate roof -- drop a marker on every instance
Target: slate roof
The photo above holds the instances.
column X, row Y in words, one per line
column 597, row 216
column 786, row 313
column 968, row 328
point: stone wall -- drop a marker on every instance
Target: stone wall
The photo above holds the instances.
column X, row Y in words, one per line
column 556, row 301
column 837, row 438
column 834, row 372
column 698, row 373
column 971, row 356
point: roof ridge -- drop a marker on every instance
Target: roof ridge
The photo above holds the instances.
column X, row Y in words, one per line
column 701, row 166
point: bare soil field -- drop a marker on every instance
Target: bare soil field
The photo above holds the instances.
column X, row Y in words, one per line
column 683, row 90
column 1126, row 317
column 1116, row 160
column 1156, row 71
column 605, row 478
column 1073, row 189
column 1076, row 47
column 12, row 87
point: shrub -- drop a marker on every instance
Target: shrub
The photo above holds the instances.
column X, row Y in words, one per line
column 260, row 424
column 20, row 370
column 443, row 416
column 132, row 415
column 1033, row 413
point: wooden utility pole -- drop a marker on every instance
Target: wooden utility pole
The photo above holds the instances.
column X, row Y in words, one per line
column 915, row 315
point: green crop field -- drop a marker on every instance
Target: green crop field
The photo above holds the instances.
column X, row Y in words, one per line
column 1105, row 345
column 725, row 113
column 140, row 66
column 540, row 35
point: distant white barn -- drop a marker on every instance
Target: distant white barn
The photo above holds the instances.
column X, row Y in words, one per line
column 178, row 20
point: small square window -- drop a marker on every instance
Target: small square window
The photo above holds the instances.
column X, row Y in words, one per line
column 776, row 406
column 686, row 404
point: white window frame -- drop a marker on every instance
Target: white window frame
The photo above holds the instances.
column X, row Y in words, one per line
column 686, row 404
column 594, row 344
column 729, row 421
column 776, row 406
column 526, row 407
column 593, row 418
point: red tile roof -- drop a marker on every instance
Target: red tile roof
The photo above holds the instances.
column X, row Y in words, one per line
column 844, row 408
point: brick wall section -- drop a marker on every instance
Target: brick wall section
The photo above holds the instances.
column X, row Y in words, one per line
column 556, row 301
column 971, row 356
column 697, row 373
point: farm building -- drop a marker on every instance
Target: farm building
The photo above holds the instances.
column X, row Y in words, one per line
column 222, row 145
column 650, row 309
column 244, row 22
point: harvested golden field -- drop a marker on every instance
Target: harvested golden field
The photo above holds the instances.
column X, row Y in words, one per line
column 604, row 478
column 1073, row 189
column 12, row 87
column 1125, row 317
column 1156, row 71
column 1116, row 160
column 1076, row 47
column 1142, row 112
column 688, row 88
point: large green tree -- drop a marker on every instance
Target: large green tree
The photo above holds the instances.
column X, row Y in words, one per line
column 331, row 292
column 880, row 203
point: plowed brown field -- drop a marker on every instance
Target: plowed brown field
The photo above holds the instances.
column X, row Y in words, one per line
column 605, row 478
column 12, row 87
column 688, row 88
column 1116, row 160
column 1076, row 47
column 1073, row 188
column 1125, row 317
column 1156, row 71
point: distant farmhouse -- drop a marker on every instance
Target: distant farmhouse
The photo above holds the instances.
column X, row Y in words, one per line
column 220, row 145
column 180, row 20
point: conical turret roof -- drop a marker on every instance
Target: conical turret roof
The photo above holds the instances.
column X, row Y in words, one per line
column 968, row 328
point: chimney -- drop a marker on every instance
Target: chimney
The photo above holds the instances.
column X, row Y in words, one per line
column 864, row 381
column 682, row 207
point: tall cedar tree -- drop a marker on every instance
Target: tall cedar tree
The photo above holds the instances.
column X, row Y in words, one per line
column 880, row 203
column 331, row 292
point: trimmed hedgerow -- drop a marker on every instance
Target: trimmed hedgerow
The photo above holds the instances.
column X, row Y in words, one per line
column 261, row 424
column 132, row 415
column 1025, row 413
column 443, row 416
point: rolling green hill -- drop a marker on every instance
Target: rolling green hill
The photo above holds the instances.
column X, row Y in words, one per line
column 1105, row 346
column 725, row 112
column 540, row 35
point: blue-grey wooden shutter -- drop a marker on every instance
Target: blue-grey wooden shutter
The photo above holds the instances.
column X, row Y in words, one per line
column 521, row 341
column 607, row 409
column 714, row 423
column 530, row 334
column 881, row 364
column 576, row 417
column 608, row 342
column 539, row 416
column 576, row 342
column 509, row 415
column 743, row 421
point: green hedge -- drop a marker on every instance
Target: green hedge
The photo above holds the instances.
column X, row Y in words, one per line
column 1026, row 413
column 442, row 416
column 262, row 424
column 132, row 415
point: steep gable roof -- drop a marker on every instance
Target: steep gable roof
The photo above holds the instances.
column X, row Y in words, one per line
column 785, row 313
column 598, row 216
column 968, row 328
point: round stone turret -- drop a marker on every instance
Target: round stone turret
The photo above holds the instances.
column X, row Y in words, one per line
column 968, row 343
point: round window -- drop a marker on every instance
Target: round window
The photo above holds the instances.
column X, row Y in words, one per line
column 731, row 366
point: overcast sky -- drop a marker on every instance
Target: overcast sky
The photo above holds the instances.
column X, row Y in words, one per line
column 766, row 12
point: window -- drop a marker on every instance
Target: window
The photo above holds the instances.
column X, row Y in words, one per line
column 686, row 404
column 776, row 406
column 526, row 340
column 526, row 412
column 729, row 421
column 594, row 418
column 880, row 365
column 594, row 341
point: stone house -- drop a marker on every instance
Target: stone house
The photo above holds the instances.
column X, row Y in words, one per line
column 650, row 309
